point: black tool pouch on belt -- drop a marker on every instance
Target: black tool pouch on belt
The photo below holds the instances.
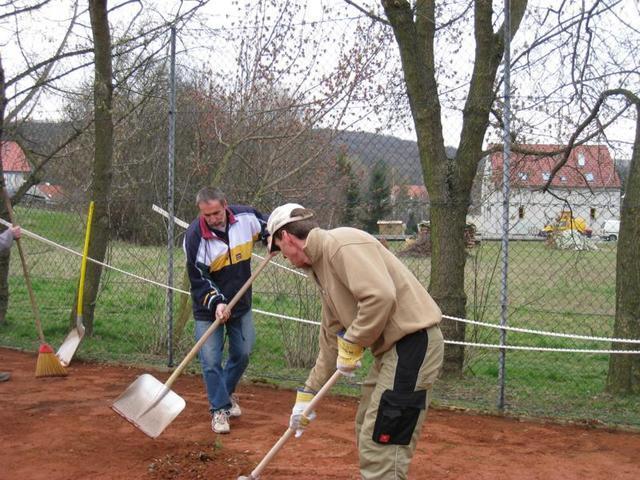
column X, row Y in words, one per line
column 397, row 416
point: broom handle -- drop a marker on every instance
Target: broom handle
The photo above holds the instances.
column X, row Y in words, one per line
column 25, row 269
column 192, row 353
column 290, row 431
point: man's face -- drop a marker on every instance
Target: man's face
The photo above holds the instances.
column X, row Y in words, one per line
column 214, row 213
column 292, row 249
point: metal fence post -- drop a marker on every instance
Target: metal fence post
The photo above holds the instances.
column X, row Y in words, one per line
column 170, row 181
column 504, row 296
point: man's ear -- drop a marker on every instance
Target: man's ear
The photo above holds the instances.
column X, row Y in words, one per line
column 284, row 237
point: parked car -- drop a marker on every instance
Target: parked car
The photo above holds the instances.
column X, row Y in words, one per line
column 610, row 230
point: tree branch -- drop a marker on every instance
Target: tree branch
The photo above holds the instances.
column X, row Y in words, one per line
column 18, row 11
column 368, row 13
column 631, row 97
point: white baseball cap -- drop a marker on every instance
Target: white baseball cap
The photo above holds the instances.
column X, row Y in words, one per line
column 280, row 217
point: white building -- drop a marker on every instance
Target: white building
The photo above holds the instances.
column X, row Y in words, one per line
column 587, row 184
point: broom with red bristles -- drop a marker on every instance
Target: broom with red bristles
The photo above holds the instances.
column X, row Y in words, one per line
column 48, row 364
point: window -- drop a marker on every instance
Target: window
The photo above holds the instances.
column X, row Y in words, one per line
column 521, row 212
column 589, row 176
column 545, row 176
column 523, row 175
column 581, row 161
column 592, row 213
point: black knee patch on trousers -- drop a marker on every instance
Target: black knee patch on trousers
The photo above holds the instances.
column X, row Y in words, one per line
column 400, row 408
column 411, row 350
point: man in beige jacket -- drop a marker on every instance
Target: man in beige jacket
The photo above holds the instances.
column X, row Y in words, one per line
column 369, row 300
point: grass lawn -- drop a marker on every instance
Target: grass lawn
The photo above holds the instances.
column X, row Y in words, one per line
column 556, row 290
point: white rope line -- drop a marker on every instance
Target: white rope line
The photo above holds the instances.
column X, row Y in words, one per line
column 542, row 332
column 453, row 342
column 301, row 320
column 185, row 225
column 541, row 349
column 70, row 250
column 286, row 317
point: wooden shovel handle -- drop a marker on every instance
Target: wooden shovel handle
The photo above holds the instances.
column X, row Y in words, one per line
column 192, row 353
column 25, row 269
column 286, row 435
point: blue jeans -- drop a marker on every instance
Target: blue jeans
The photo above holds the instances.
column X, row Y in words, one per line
column 220, row 381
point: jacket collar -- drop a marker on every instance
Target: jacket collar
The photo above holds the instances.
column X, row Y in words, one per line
column 207, row 233
column 313, row 245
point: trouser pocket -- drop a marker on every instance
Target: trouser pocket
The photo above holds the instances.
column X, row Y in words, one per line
column 397, row 417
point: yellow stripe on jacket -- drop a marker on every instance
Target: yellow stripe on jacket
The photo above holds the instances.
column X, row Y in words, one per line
column 237, row 254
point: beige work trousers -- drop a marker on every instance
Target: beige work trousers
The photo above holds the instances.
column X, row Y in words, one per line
column 389, row 461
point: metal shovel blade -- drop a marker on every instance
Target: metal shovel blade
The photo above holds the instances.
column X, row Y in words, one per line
column 149, row 405
column 70, row 345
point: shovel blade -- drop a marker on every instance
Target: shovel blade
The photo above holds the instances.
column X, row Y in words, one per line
column 69, row 346
column 149, row 405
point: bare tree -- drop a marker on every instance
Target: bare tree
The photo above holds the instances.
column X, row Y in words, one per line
column 624, row 370
column 448, row 181
column 554, row 69
column 103, row 156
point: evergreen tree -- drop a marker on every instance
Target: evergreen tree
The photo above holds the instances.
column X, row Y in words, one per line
column 412, row 224
column 378, row 201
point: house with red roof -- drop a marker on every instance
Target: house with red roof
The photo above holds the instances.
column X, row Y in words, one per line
column 15, row 166
column 587, row 185
column 16, row 169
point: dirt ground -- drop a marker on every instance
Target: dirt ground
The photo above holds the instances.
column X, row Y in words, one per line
column 63, row 428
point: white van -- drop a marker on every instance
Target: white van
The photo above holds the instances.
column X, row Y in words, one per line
column 610, row 230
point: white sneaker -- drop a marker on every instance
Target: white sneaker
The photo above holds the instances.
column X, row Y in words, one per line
column 235, row 407
column 220, row 421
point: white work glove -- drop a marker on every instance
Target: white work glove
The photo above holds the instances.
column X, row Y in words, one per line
column 349, row 355
column 298, row 421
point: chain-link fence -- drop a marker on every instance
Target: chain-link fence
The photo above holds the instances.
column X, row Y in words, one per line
column 294, row 118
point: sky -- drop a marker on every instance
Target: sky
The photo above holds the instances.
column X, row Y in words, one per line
column 211, row 39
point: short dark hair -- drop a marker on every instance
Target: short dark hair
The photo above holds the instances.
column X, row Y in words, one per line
column 210, row 194
column 299, row 228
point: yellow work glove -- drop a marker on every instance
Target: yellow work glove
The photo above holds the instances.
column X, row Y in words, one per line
column 349, row 355
column 298, row 421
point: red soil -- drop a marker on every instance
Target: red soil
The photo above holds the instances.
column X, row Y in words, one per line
column 62, row 428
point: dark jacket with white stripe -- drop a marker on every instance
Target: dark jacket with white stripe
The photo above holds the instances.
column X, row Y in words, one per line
column 218, row 268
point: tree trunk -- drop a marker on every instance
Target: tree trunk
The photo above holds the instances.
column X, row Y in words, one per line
column 448, row 181
column 447, row 275
column 624, row 369
column 102, row 167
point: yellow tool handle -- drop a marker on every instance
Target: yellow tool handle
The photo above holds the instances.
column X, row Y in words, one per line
column 85, row 254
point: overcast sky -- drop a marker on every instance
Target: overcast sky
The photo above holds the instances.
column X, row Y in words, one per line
column 41, row 31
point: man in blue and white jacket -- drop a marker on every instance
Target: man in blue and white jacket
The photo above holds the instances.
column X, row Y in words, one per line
column 218, row 245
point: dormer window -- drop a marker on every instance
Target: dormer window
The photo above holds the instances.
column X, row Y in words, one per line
column 546, row 176
column 589, row 176
column 523, row 176
column 581, row 161
column 563, row 178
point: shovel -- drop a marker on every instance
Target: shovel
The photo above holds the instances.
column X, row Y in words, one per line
column 150, row 404
column 255, row 474
column 73, row 339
